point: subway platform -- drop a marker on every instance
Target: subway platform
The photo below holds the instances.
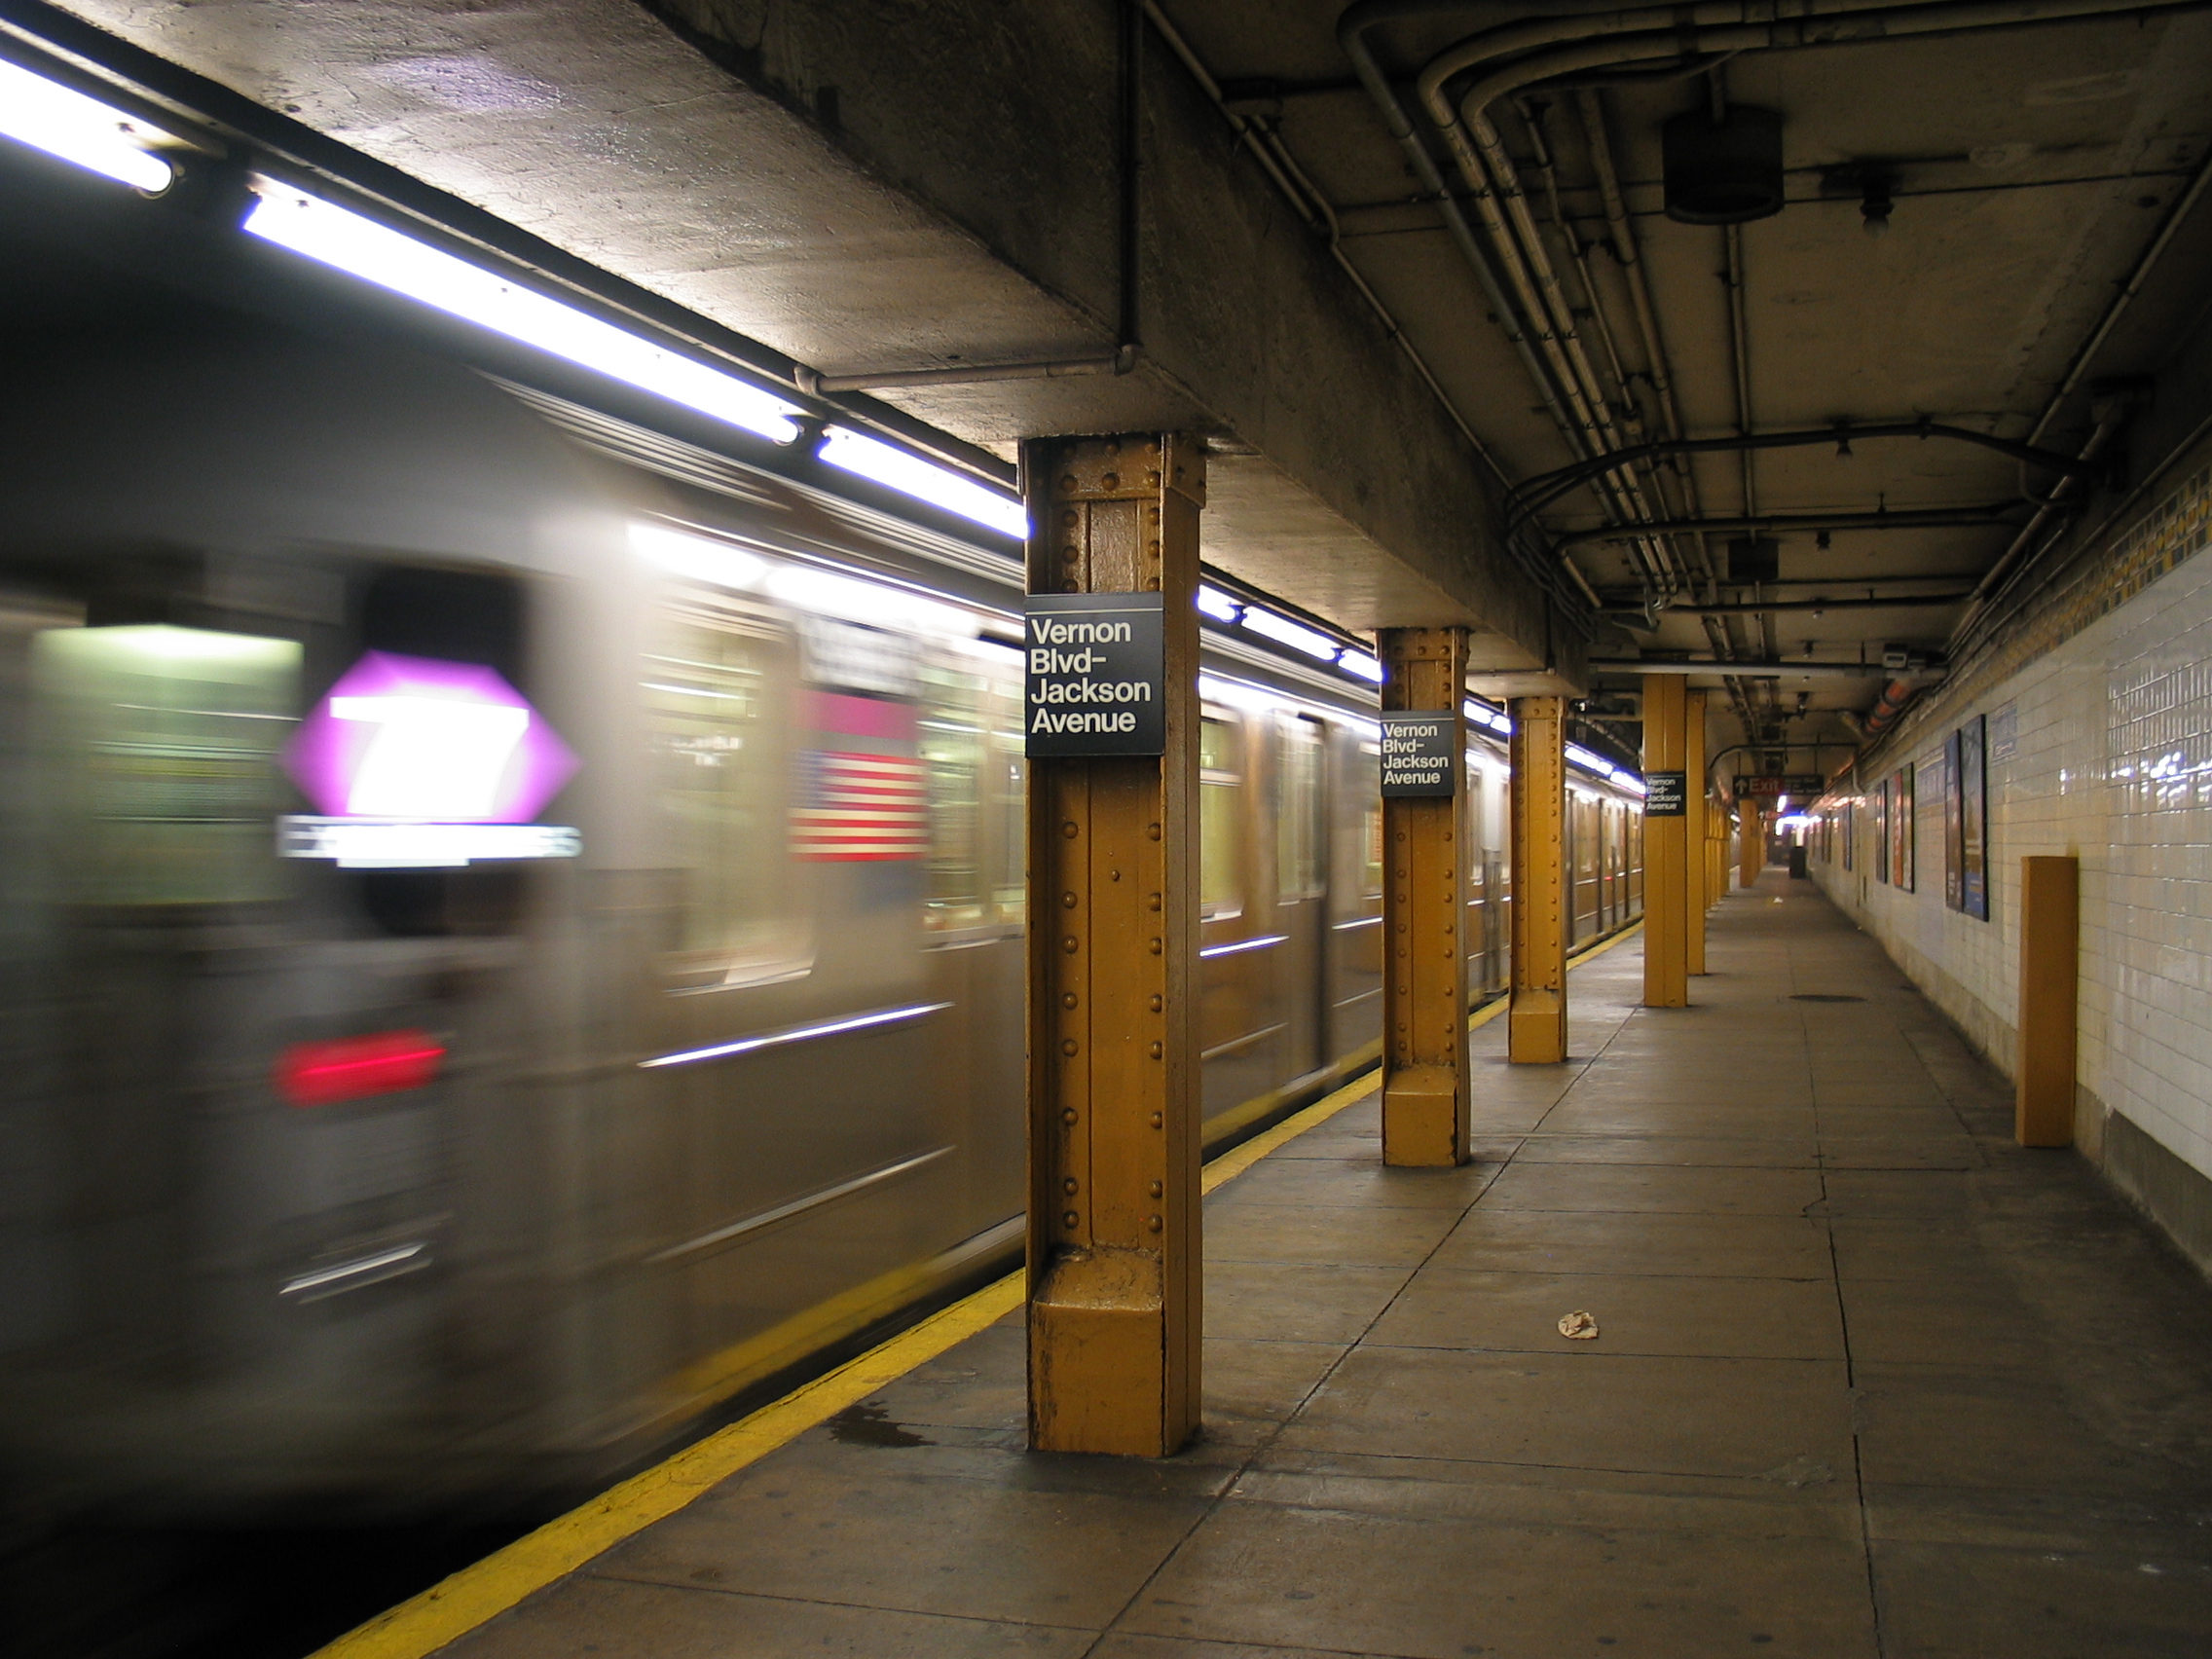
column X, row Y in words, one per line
column 1867, row 1380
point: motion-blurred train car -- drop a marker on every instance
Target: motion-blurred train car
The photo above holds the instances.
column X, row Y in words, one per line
column 511, row 926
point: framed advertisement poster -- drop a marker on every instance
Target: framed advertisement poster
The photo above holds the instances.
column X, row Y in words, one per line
column 1881, row 830
column 1903, row 827
column 1849, row 835
column 1974, row 821
column 1954, row 853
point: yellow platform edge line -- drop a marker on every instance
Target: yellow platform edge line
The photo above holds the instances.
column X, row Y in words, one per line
column 479, row 1593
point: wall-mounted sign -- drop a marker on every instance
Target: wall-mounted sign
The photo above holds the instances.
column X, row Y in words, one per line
column 1666, row 794
column 1096, row 680
column 1781, row 783
column 1420, row 753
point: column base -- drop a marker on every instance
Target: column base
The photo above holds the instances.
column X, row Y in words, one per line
column 1536, row 1029
column 1424, row 1122
column 1099, row 1361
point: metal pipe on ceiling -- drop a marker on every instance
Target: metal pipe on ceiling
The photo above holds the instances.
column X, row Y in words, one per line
column 1772, row 668
column 1629, row 255
column 1501, row 205
column 1765, row 606
column 1533, row 494
column 1275, row 161
column 2108, row 425
column 1906, row 518
column 1565, row 44
column 1351, row 32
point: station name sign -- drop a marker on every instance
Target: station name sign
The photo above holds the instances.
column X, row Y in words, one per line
column 1782, row 784
column 1094, row 677
column 1666, row 794
column 1420, row 753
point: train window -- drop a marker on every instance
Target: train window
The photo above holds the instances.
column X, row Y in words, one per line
column 952, row 745
column 1009, row 786
column 1297, row 808
column 1371, row 837
column 717, row 688
column 165, row 741
column 1221, row 797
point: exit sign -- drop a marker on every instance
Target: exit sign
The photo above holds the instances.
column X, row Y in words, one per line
column 1782, row 784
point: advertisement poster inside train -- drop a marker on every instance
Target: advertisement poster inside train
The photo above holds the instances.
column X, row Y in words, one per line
column 1903, row 829
column 1973, row 822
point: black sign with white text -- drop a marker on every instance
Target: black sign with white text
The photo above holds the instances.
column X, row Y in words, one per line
column 1807, row 783
column 1420, row 753
column 1666, row 794
column 1095, row 679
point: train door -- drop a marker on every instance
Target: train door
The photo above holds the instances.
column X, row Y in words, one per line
column 1301, row 887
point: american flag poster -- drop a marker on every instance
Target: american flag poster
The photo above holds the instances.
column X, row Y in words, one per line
column 861, row 806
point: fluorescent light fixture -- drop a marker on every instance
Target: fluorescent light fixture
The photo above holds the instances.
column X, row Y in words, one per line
column 392, row 259
column 1483, row 714
column 366, row 843
column 1634, row 786
column 924, row 480
column 701, row 558
column 1360, row 665
column 1218, row 605
column 1589, row 762
column 65, row 122
column 1284, row 632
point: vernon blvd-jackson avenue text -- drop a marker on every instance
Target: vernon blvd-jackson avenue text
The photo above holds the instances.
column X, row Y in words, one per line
column 1057, row 676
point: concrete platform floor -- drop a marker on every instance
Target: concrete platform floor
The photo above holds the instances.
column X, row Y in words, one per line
column 1869, row 1381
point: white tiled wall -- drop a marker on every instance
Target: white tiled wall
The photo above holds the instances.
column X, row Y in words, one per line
column 2112, row 764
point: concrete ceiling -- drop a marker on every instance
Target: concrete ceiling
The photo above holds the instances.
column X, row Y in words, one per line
column 886, row 184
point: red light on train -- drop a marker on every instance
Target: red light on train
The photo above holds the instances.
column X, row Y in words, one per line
column 352, row 1068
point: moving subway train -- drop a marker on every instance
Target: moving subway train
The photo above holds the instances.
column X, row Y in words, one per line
column 511, row 926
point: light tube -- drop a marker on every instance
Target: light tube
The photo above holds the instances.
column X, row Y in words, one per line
column 1284, row 632
column 1217, row 604
column 1588, row 761
column 392, row 259
column 1360, row 665
column 924, row 480
column 65, row 122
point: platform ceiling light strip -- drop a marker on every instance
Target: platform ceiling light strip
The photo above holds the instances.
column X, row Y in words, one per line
column 1284, row 632
column 1577, row 755
column 1217, row 604
column 64, row 122
column 392, row 259
column 911, row 475
column 1483, row 714
column 1360, row 666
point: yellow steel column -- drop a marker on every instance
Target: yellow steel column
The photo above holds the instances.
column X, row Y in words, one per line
column 1114, row 1286
column 1699, row 864
column 1666, row 844
column 2042, row 1108
column 1537, row 1019
column 1425, row 967
column 1750, row 851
